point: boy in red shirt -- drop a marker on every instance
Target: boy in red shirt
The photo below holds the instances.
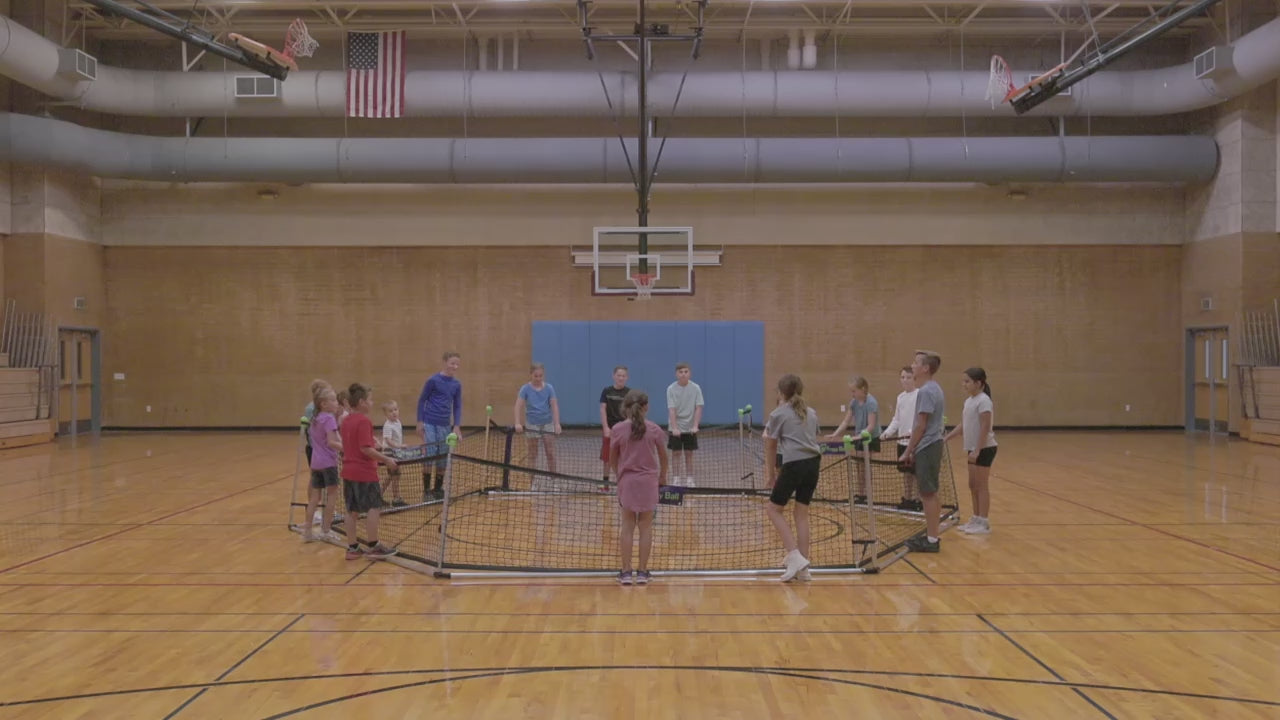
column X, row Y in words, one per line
column 360, row 488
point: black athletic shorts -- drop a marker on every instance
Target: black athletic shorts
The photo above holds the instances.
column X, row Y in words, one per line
column 798, row 477
column 683, row 441
column 326, row 478
column 875, row 444
column 361, row 496
column 986, row 456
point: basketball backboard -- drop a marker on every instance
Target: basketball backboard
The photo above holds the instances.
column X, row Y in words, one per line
column 667, row 255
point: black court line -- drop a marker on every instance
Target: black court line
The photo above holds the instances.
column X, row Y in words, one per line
column 1135, row 523
column 360, row 572
column 834, row 671
column 530, row 671
column 144, row 524
column 913, row 566
column 1047, row 669
column 505, row 614
column 645, row 632
column 232, row 669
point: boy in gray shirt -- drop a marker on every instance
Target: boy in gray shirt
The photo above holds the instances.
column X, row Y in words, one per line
column 924, row 450
column 684, row 414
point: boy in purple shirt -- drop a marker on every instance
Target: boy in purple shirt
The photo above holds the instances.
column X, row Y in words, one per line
column 439, row 413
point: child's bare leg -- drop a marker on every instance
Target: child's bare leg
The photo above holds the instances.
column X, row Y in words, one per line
column 549, row 447
column 313, row 500
column 688, row 463
column 932, row 513
column 646, row 538
column 625, row 537
column 371, row 524
column 802, row 528
column 982, row 483
column 780, row 524
column 353, row 519
column 326, row 509
column 973, row 490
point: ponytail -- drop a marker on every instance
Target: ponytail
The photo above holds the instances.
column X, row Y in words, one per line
column 792, row 389
column 633, row 408
column 979, row 375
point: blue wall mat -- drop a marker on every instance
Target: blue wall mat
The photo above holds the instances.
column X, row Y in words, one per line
column 727, row 360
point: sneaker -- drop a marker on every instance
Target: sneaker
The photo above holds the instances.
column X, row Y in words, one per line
column 437, row 494
column 973, row 522
column 317, row 518
column 307, row 536
column 380, row 552
column 905, row 504
column 354, row 553
column 977, row 526
column 332, row 536
column 624, row 577
column 920, row 543
column 399, row 502
column 643, row 577
column 917, row 505
column 804, row 575
column 859, row 499
column 795, row 563
column 688, row 482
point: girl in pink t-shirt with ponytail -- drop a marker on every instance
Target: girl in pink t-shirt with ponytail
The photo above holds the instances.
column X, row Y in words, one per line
column 639, row 462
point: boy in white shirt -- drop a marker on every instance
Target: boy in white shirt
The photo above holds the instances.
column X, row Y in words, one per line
column 684, row 414
column 900, row 427
column 393, row 438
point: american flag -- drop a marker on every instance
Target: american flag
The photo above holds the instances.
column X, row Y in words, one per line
column 375, row 74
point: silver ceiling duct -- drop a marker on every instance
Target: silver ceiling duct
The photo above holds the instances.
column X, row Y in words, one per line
column 1168, row 159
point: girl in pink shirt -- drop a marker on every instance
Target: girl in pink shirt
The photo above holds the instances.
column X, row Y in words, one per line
column 639, row 462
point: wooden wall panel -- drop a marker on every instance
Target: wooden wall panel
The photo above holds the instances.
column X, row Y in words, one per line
column 226, row 336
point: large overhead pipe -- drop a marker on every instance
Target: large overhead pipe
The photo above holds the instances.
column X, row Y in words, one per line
column 1161, row 159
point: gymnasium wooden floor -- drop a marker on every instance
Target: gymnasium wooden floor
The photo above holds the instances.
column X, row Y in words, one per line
column 1129, row 575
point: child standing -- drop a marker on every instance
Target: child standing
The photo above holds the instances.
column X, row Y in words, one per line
column 684, row 414
column 792, row 430
column 323, row 435
column 864, row 412
column 611, row 399
column 538, row 412
column 392, row 439
column 344, row 406
column 640, row 465
column 900, row 427
column 979, row 446
column 924, row 449
column 360, row 475
column 439, row 413
column 309, row 412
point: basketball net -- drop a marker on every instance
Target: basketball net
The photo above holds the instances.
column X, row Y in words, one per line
column 298, row 42
column 644, row 285
column 1000, row 85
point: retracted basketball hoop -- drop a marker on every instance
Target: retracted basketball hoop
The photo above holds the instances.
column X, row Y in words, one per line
column 297, row 43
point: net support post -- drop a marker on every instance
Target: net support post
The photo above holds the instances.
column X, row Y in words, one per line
column 452, row 442
column 871, row 504
column 297, row 468
column 742, row 446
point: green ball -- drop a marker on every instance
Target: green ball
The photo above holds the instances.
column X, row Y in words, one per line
column 848, row 439
column 452, row 440
column 305, row 421
column 747, row 408
column 866, row 435
column 488, row 409
column 944, row 420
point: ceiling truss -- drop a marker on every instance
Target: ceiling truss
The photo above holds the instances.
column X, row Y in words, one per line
column 536, row 19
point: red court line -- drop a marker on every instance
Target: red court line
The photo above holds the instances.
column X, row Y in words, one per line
column 149, row 522
column 1138, row 524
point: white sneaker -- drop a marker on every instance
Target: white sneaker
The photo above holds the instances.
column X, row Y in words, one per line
column 334, row 537
column 688, row 482
column 977, row 526
column 804, row 576
column 317, row 518
column 795, row 563
column 973, row 522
